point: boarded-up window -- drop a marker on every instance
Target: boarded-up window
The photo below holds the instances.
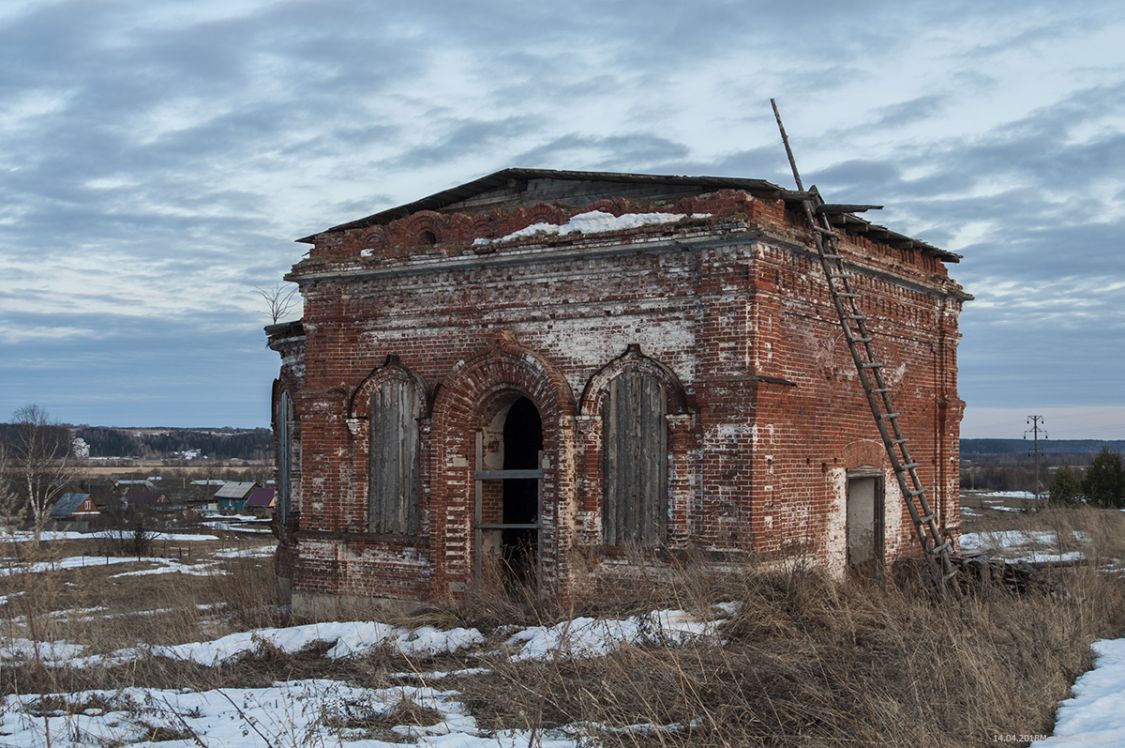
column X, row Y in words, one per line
column 393, row 504
column 287, row 444
column 636, row 460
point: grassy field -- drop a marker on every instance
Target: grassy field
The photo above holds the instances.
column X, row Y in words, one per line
column 681, row 658
column 170, row 469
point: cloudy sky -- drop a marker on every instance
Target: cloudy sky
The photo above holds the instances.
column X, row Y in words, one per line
column 158, row 159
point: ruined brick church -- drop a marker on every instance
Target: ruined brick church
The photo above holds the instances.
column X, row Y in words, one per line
column 546, row 375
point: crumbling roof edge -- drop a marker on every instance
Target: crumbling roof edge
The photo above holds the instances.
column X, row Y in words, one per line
column 293, row 329
column 496, row 179
column 758, row 187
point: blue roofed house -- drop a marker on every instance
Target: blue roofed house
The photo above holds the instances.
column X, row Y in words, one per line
column 73, row 506
column 232, row 496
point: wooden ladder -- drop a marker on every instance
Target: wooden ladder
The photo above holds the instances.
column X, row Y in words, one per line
column 936, row 548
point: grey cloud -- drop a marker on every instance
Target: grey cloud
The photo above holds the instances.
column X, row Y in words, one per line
column 625, row 152
column 321, row 105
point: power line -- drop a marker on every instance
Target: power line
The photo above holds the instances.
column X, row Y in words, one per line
column 1036, row 423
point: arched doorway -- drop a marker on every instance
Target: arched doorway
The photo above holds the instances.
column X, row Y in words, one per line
column 509, row 480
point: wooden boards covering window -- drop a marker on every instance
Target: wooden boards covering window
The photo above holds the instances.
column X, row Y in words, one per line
column 636, row 460
column 393, row 492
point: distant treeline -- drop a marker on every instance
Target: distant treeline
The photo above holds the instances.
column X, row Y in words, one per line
column 995, row 447
column 55, row 439
column 216, row 444
column 224, row 444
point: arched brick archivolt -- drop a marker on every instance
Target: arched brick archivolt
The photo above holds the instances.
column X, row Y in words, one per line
column 680, row 444
column 467, row 401
column 360, row 430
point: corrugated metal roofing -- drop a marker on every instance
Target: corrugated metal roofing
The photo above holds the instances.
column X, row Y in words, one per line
column 235, row 489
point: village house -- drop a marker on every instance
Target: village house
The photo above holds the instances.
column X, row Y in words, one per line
column 232, row 495
column 261, row 501
column 545, row 377
column 74, row 506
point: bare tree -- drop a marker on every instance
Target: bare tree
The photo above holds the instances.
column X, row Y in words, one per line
column 9, row 504
column 38, row 463
column 279, row 300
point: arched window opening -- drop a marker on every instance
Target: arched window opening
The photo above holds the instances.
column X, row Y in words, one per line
column 636, row 460
column 427, row 237
column 393, row 491
column 523, row 442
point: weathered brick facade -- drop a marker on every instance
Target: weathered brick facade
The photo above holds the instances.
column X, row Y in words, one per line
column 725, row 309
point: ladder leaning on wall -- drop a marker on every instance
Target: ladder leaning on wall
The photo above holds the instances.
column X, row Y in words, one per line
column 936, row 548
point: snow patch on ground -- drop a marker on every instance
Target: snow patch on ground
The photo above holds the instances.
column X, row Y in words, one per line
column 1095, row 713
column 307, row 712
column 1014, row 494
column 75, row 562
column 593, row 222
column 287, row 713
column 178, row 537
column 228, row 527
column 348, row 639
column 21, row 536
column 262, row 551
column 595, row 637
column 1013, row 545
column 171, row 566
column 983, row 541
column 48, row 652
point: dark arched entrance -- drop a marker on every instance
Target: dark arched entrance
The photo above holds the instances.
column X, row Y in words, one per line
column 523, row 443
column 509, row 481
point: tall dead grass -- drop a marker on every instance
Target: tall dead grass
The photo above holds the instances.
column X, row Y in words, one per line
column 805, row 660
column 812, row 661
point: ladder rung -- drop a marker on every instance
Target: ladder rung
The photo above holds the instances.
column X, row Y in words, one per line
column 860, row 340
column 849, row 294
column 826, row 232
column 909, row 466
column 949, row 575
column 888, row 416
column 855, row 316
column 913, row 493
column 938, row 550
column 899, row 441
column 871, row 365
column 880, row 389
column 832, row 256
column 926, row 520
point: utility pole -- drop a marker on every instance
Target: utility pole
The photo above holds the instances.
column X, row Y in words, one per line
column 1036, row 424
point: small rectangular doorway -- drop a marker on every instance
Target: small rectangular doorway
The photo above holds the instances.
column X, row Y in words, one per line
column 865, row 523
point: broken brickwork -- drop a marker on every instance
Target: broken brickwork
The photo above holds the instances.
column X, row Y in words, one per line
column 695, row 306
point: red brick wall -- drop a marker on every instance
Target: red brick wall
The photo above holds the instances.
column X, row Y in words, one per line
column 716, row 303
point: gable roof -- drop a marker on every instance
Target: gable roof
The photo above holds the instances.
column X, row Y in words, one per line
column 518, row 180
column 260, row 498
column 235, row 489
column 65, row 505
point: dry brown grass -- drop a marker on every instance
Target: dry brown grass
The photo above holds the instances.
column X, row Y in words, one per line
column 812, row 661
column 807, row 660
